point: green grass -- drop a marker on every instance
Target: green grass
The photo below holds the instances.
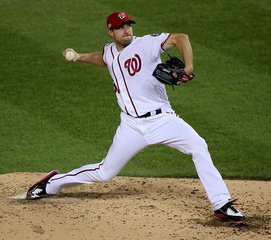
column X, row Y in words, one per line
column 62, row 115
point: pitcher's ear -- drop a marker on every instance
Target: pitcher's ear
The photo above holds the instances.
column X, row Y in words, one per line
column 110, row 32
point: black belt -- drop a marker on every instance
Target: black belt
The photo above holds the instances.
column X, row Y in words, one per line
column 152, row 113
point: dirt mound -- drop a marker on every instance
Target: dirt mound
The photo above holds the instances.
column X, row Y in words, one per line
column 131, row 208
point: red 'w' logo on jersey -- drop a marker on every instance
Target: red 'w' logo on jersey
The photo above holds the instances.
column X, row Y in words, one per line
column 133, row 65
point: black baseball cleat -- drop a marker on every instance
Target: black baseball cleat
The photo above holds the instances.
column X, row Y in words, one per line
column 229, row 212
column 38, row 191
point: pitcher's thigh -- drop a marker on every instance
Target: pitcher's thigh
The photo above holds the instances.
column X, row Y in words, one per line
column 127, row 143
column 180, row 135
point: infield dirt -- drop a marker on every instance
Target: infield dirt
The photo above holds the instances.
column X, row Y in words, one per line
column 131, row 208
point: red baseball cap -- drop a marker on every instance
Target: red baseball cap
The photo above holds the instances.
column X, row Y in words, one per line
column 116, row 19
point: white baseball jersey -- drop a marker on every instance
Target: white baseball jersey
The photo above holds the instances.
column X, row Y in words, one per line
column 137, row 91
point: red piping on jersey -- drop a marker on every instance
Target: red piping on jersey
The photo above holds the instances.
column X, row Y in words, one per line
column 112, row 52
column 118, row 88
column 164, row 42
column 114, row 71
column 126, row 85
column 72, row 175
column 126, row 109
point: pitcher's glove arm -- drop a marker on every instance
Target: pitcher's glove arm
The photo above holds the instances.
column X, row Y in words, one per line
column 172, row 72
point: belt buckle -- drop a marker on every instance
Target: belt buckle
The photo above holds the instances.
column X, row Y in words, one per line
column 153, row 113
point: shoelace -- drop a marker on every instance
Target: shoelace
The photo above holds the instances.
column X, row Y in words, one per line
column 230, row 206
column 233, row 209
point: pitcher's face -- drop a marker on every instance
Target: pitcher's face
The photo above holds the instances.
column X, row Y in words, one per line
column 122, row 36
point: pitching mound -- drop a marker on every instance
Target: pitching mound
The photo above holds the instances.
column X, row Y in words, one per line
column 131, row 208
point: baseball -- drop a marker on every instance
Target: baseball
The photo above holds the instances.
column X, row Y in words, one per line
column 69, row 55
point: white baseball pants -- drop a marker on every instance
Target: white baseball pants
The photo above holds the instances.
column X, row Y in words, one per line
column 133, row 135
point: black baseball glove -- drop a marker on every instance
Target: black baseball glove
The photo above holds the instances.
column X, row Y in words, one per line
column 172, row 72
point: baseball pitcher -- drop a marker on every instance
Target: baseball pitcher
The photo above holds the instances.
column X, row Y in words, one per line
column 147, row 118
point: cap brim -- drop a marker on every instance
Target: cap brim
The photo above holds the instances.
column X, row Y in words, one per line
column 130, row 21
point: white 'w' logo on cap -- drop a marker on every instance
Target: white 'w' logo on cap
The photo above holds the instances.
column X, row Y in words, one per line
column 121, row 15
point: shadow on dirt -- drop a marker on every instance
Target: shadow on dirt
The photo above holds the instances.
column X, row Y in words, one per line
column 256, row 224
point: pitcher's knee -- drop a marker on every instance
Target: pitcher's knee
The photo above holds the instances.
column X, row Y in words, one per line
column 199, row 145
column 106, row 176
column 203, row 143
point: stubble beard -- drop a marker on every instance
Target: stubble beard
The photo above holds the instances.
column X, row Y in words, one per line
column 127, row 42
